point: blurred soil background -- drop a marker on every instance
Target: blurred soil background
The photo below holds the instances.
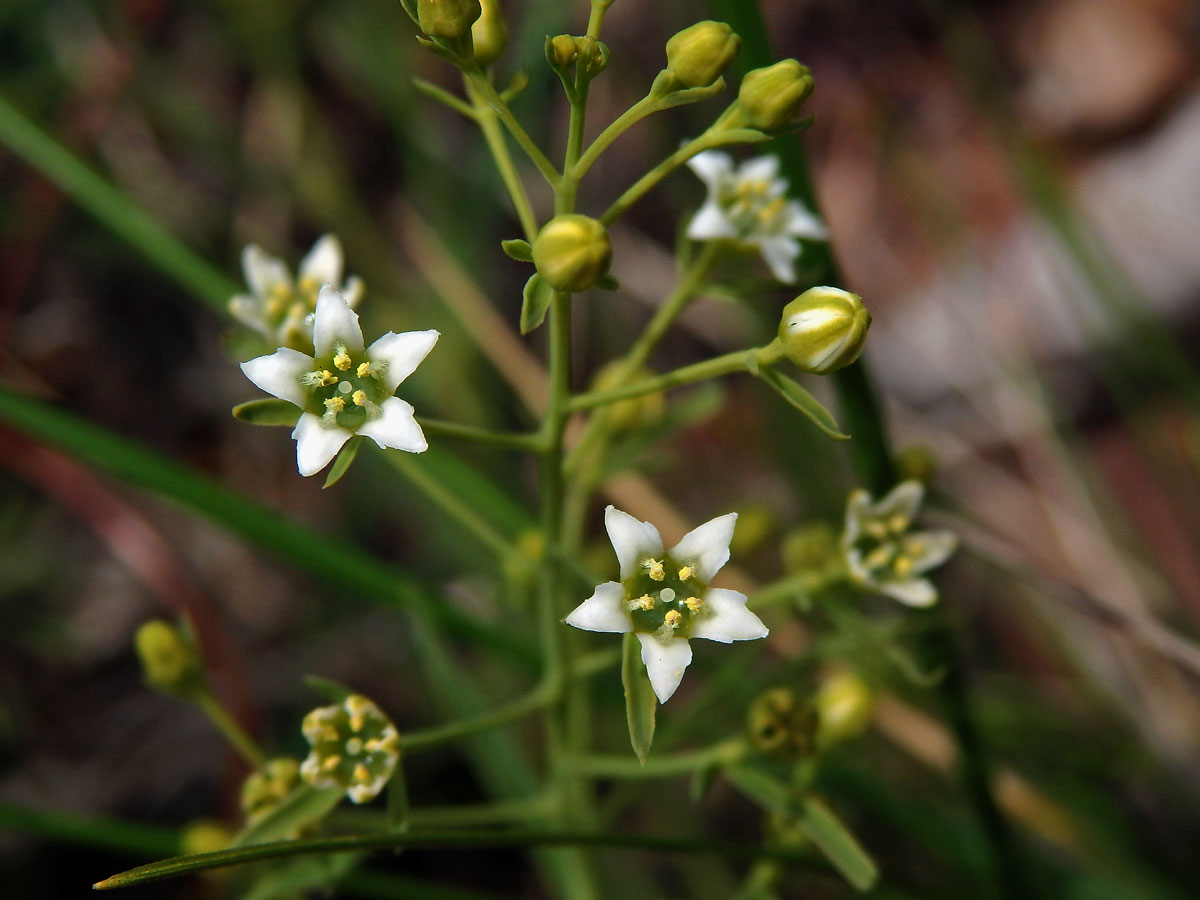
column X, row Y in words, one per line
column 1012, row 185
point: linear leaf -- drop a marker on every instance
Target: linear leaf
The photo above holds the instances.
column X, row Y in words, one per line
column 640, row 703
column 304, row 805
column 538, row 295
column 838, row 844
column 810, row 406
column 267, row 411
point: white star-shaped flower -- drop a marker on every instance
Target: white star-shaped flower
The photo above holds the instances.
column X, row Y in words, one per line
column 882, row 554
column 345, row 389
column 664, row 597
column 750, row 205
column 279, row 307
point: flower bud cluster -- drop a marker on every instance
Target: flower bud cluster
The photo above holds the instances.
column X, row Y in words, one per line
column 264, row 789
column 589, row 56
column 169, row 660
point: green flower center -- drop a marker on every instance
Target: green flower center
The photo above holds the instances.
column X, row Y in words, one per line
column 346, row 388
column 664, row 597
column 751, row 208
column 886, row 552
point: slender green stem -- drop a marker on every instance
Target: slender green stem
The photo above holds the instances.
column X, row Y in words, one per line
column 707, row 141
column 781, row 591
column 450, row 503
column 478, row 435
column 540, row 697
column 644, row 107
column 737, row 361
column 443, row 96
column 488, row 93
column 596, row 17
column 113, row 209
column 626, row 766
column 486, row 116
column 232, row 731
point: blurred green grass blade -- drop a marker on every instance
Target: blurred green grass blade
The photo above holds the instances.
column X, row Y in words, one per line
column 94, row 831
column 113, row 208
column 838, row 844
column 336, row 562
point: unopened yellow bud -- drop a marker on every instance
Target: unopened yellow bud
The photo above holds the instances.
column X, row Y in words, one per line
column 560, row 51
column 168, row 659
column 699, row 54
column 447, row 19
column 572, row 252
column 591, row 55
column 489, row 34
column 845, row 706
column 769, row 98
column 824, row 329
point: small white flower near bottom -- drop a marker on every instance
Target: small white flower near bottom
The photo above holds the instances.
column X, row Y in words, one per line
column 883, row 554
column 749, row 204
column 355, row 747
column 663, row 597
column 345, row 389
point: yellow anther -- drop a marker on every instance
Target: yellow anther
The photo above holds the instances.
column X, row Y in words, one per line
column 902, row 566
column 391, row 744
column 331, row 763
column 298, row 311
column 341, row 358
column 672, row 618
column 328, row 378
column 329, row 733
column 354, row 746
column 364, row 369
column 880, row 556
column 686, row 572
column 655, row 567
column 281, row 291
column 693, row 603
column 361, row 774
column 770, row 212
column 374, row 745
column 359, row 397
column 308, row 285
column 645, row 601
column 356, row 722
column 275, row 306
column 876, row 530
column 898, row 523
column 335, row 404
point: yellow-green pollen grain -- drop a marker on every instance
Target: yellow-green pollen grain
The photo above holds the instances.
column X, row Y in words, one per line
column 663, row 597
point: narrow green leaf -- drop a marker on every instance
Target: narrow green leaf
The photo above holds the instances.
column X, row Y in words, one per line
column 640, row 702
column 768, row 792
column 517, row 249
column 303, row 806
column 797, row 396
column 703, row 780
column 538, row 295
column 838, row 844
column 341, row 465
column 398, row 805
column 267, row 411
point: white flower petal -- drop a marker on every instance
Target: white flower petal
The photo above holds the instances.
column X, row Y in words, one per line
column 727, row 618
column 903, row 500
column 760, row 168
column 316, row 443
column 710, row 223
column 780, row 254
column 858, row 507
column 712, row 167
column 395, row 427
column 632, row 539
column 857, row 568
column 263, row 271
column 280, row 373
column 248, row 310
column 927, row 549
column 706, row 547
column 402, row 352
column 603, row 611
column 323, row 263
column 799, row 222
column 352, row 291
column 914, row 592
column 335, row 322
column 665, row 663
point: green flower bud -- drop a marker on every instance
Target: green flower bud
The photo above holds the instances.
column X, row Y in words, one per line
column 699, row 54
column 780, row 725
column 355, row 747
column 824, row 329
column 447, row 19
column 489, row 34
column 168, row 659
column 572, row 252
column 770, row 97
column 916, row 463
column 845, row 707
column 591, row 55
column 645, row 411
column 264, row 789
column 560, row 51
column 810, row 549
